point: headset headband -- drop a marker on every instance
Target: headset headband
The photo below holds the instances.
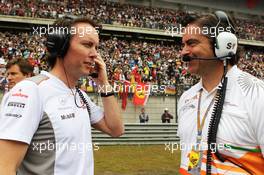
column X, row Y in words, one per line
column 224, row 19
column 58, row 41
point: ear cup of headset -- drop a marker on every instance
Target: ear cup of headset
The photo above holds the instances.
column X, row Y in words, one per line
column 57, row 44
column 225, row 44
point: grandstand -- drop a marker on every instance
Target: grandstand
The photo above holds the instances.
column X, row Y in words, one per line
column 133, row 35
column 138, row 45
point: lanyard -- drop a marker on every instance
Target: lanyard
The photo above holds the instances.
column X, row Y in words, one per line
column 199, row 124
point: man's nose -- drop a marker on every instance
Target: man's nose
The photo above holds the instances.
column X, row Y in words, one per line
column 93, row 53
column 185, row 51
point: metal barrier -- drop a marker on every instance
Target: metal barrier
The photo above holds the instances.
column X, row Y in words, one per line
column 140, row 134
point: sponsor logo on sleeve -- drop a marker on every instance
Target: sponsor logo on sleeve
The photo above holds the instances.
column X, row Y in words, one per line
column 19, row 94
column 13, row 115
column 16, row 104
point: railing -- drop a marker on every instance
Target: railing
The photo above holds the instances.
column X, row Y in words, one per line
column 140, row 134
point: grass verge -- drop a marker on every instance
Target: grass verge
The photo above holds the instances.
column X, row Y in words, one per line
column 136, row 160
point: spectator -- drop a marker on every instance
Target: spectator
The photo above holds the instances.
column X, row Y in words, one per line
column 2, row 65
column 166, row 116
column 155, row 62
column 3, row 83
column 119, row 14
column 18, row 70
column 143, row 117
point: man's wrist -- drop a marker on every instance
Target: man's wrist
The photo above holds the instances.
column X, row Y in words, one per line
column 105, row 88
column 108, row 94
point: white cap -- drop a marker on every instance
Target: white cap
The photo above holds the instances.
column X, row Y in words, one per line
column 2, row 61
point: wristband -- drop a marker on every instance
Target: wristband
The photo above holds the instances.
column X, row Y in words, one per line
column 107, row 94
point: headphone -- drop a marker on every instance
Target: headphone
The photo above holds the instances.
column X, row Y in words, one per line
column 58, row 40
column 226, row 42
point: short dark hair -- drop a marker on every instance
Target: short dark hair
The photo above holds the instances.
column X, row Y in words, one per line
column 25, row 67
column 209, row 21
column 68, row 22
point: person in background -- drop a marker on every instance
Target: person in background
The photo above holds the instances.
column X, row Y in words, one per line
column 17, row 70
column 166, row 116
column 143, row 117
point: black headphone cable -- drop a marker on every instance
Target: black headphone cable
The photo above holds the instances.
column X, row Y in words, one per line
column 79, row 93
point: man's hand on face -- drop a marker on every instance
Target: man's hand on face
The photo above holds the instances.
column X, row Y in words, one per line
column 102, row 79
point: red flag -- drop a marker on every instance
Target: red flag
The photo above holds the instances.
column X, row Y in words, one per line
column 170, row 90
column 136, row 74
column 252, row 3
column 124, row 94
column 141, row 94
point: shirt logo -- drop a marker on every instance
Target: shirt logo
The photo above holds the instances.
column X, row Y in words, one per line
column 19, row 94
column 67, row 116
column 191, row 99
column 13, row 115
column 187, row 107
column 16, row 104
column 62, row 101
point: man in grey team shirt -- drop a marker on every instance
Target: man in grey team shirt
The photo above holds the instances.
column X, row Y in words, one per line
column 45, row 123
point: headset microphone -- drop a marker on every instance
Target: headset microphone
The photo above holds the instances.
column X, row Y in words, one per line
column 187, row 58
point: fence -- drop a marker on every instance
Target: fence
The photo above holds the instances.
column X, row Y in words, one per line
column 140, row 134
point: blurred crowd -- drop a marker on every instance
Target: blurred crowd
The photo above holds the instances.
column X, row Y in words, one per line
column 250, row 30
column 253, row 62
column 157, row 62
column 23, row 45
column 106, row 12
column 135, row 61
column 142, row 61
